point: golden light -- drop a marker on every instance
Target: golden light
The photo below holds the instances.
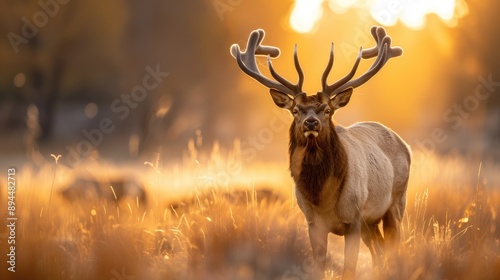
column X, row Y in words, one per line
column 305, row 14
column 411, row 13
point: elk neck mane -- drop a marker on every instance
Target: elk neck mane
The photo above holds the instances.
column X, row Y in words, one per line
column 324, row 157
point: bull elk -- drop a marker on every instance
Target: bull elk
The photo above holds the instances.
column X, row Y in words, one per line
column 347, row 179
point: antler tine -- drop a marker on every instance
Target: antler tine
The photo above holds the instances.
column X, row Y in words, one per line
column 260, row 78
column 379, row 62
column 324, row 77
column 300, row 82
column 247, row 63
column 382, row 51
column 380, row 34
column 296, row 88
column 373, row 51
column 330, row 89
column 265, row 50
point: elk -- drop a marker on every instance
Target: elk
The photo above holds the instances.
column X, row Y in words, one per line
column 347, row 179
column 86, row 189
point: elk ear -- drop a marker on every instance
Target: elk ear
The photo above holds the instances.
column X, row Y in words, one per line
column 281, row 99
column 341, row 99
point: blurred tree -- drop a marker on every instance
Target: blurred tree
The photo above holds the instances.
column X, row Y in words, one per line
column 61, row 47
column 188, row 40
column 94, row 51
column 476, row 72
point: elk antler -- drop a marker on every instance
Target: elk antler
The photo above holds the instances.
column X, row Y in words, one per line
column 247, row 63
column 382, row 51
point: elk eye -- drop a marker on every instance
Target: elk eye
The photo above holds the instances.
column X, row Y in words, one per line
column 328, row 111
column 295, row 111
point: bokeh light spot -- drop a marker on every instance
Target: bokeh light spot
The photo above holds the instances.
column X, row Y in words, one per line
column 91, row 110
column 19, row 80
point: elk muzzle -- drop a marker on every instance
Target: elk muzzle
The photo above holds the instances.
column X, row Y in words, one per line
column 311, row 126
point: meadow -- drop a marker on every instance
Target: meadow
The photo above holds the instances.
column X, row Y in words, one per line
column 202, row 222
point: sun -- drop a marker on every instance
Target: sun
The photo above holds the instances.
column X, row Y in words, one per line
column 305, row 14
column 412, row 13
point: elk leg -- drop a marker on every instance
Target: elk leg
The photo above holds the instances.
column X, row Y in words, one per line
column 351, row 251
column 319, row 238
column 392, row 228
column 372, row 237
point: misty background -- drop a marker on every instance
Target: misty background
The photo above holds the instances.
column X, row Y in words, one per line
column 64, row 65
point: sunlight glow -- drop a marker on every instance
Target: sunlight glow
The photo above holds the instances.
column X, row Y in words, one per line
column 305, row 14
column 412, row 13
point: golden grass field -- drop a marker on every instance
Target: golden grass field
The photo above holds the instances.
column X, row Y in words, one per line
column 197, row 227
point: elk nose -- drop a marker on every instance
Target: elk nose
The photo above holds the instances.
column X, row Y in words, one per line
column 311, row 124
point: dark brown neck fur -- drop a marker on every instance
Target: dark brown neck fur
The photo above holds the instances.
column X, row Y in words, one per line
column 324, row 157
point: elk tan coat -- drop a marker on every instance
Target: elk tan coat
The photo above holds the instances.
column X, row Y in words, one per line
column 349, row 179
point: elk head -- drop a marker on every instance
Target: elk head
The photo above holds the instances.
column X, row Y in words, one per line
column 312, row 114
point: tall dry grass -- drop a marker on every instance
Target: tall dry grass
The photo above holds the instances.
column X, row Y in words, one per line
column 203, row 222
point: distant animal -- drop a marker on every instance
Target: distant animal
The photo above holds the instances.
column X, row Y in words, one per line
column 347, row 179
column 235, row 196
column 86, row 189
